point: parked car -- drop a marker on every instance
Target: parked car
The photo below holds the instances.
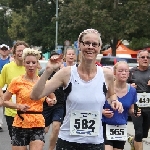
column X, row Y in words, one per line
column 112, row 60
column 43, row 64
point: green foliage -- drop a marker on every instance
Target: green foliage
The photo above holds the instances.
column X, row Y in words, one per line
column 4, row 22
column 18, row 26
column 34, row 21
column 140, row 43
column 114, row 21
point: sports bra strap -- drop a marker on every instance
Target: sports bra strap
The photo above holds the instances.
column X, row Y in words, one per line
column 129, row 87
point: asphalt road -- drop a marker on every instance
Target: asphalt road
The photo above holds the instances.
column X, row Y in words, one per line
column 5, row 140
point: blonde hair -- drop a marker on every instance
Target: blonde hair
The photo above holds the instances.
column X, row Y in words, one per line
column 65, row 52
column 31, row 52
column 89, row 31
column 69, row 48
column 118, row 63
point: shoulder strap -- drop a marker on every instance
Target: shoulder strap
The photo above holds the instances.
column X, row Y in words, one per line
column 65, row 64
column 129, row 87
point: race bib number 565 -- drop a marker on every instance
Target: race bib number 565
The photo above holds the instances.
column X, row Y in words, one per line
column 84, row 123
column 118, row 132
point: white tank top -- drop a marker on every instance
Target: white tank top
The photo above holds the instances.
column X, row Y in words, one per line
column 84, row 96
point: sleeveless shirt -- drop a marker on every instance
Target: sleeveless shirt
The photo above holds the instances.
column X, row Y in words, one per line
column 84, row 96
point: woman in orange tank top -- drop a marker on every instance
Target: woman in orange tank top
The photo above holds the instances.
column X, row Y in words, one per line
column 29, row 123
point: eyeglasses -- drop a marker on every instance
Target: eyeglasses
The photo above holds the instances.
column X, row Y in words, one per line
column 4, row 49
column 143, row 57
column 88, row 43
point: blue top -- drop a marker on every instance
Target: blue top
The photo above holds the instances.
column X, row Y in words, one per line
column 65, row 64
column 121, row 118
column 3, row 62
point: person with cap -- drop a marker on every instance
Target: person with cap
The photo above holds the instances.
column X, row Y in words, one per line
column 4, row 59
column 4, row 55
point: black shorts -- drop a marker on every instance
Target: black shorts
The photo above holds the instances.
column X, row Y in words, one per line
column 114, row 143
column 56, row 114
column 23, row 136
column 141, row 125
column 62, row 144
column 9, row 121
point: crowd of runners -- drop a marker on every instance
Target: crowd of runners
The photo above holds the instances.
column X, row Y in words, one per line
column 87, row 104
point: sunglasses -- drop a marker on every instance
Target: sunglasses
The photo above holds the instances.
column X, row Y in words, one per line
column 88, row 43
column 143, row 57
column 4, row 49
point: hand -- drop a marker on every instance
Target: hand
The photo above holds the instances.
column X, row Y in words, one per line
column 148, row 82
column 23, row 107
column 138, row 113
column 107, row 113
column 116, row 105
column 51, row 102
column 134, row 85
column 54, row 63
column 1, row 101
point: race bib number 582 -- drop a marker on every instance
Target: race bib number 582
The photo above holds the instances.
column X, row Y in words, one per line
column 84, row 123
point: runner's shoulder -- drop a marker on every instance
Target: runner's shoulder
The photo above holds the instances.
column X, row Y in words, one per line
column 65, row 71
column 10, row 64
column 132, row 89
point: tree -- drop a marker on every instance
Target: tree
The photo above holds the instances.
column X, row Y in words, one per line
column 73, row 18
column 35, row 24
column 4, row 25
column 139, row 43
column 113, row 20
column 17, row 30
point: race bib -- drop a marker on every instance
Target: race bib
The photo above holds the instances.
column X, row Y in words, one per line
column 84, row 123
column 116, row 132
column 143, row 99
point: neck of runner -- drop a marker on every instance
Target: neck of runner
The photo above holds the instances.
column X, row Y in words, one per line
column 70, row 63
column 120, row 84
column 88, row 70
column 31, row 78
column 19, row 62
column 143, row 68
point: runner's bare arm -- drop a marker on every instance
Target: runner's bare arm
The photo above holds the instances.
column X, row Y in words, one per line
column 7, row 102
column 131, row 110
column 1, row 97
column 10, row 104
column 43, row 87
column 111, row 95
column 109, row 79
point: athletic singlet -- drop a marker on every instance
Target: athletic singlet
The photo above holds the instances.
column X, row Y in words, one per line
column 65, row 64
column 84, row 96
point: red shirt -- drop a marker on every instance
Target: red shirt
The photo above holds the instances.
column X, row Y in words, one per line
column 98, row 64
